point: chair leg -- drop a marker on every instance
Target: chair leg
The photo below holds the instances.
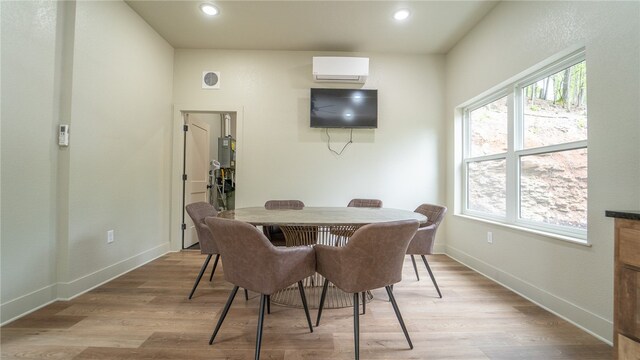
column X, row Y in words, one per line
column 304, row 304
column 356, row 325
column 202, row 269
column 268, row 304
column 263, row 300
column 431, row 274
column 364, row 304
column 246, row 295
column 415, row 267
column 398, row 315
column 215, row 264
column 322, row 297
column 224, row 313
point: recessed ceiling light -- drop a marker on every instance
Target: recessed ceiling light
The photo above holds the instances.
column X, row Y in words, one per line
column 401, row 14
column 209, row 9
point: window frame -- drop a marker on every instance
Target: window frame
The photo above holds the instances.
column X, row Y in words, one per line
column 516, row 151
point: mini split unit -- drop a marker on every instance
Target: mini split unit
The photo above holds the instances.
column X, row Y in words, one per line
column 340, row 69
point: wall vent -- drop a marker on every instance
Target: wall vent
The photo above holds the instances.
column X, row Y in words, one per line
column 211, row 80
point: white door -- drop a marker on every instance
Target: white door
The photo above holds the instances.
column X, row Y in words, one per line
column 197, row 171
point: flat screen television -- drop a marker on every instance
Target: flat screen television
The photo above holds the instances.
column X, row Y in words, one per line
column 344, row 108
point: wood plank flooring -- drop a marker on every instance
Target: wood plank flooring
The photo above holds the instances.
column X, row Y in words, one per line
column 145, row 314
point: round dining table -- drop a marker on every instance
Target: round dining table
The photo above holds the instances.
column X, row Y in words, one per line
column 318, row 225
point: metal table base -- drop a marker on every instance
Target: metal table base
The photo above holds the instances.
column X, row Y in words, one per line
column 307, row 236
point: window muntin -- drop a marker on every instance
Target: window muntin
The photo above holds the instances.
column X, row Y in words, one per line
column 544, row 156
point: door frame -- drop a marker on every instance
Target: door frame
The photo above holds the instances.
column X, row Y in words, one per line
column 177, row 161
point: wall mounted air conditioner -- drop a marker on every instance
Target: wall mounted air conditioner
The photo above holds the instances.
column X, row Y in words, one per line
column 340, row 69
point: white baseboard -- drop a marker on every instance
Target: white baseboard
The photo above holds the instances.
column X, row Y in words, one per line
column 25, row 304
column 592, row 323
column 69, row 290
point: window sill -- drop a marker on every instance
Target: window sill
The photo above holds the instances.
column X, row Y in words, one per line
column 570, row 239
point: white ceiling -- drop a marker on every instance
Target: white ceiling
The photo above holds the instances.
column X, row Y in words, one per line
column 354, row 26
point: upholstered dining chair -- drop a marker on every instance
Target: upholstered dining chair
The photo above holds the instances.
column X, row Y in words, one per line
column 422, row 242
column 371, row 259
column 341, row 234
column 369, row 203
column 274, row 233
column 198, row 211
column 265, row 269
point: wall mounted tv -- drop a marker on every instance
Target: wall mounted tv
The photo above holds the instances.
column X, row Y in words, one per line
column 344, row 108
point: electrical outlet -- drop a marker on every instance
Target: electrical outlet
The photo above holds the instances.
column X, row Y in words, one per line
column 489, row 237
column 110, row 236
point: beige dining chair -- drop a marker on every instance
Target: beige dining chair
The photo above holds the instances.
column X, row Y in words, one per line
column 372, row 259
column 341, row 234
column 198, row 211
column 422, row 242
column 264, row 269
column 365, row 203
column 273, row 232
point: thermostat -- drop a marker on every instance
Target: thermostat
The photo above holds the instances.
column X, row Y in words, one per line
column 63, row 135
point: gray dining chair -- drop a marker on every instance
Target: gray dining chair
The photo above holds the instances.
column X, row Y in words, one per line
column 341, row 234
column 273, row 232
column 252, row 262
column 198, row 211
column 366, row 203
column 422, row 242
column 373, row 258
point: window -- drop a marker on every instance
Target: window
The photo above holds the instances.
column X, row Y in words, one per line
column 525, row 151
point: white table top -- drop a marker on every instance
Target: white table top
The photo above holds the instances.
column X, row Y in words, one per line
column 320, row 216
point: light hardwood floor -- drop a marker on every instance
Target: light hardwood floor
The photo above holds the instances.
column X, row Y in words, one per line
column 145, row 314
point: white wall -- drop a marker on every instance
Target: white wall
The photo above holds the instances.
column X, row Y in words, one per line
column 115, row 90
column 119, row 174
column 29, row 117
column 572, row 280
column 281, row 157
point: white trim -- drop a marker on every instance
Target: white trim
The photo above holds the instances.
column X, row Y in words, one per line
column 517, row 78
column 574, row 145
column 593, row 324
column 177, row 159
column 28, row 303
column 71, row 289
column 553, row 68
column 64, row 291
column 512, row 90
column 498, row 156
column 496, row 221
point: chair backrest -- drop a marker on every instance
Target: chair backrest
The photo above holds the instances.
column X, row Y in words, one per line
column 423, row 241
column 368, row 203
column 247, row 255
column 434, row 213
column 198, row 211
column 284, row 204
column 374, row 256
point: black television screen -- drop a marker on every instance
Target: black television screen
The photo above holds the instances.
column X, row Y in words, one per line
column 344, row 108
